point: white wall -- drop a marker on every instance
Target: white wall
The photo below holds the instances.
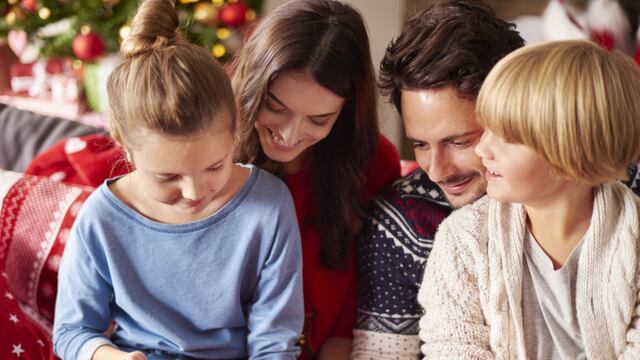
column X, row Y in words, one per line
column 384, row 19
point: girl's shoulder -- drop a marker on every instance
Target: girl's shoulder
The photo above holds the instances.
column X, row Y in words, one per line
column 266, row 188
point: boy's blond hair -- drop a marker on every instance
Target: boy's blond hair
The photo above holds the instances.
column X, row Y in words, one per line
column 571, row 101
column 164, row 83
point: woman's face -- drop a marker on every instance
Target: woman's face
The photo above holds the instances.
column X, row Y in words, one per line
column 296, row 114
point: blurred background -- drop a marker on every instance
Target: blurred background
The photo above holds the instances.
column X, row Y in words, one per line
column 55, row 55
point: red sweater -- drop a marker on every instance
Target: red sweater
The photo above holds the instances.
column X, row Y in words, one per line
column 330, row 296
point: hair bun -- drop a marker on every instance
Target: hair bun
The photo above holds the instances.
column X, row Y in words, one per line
column 154, row 27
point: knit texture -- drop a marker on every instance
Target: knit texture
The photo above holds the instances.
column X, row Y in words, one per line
column 472, row 288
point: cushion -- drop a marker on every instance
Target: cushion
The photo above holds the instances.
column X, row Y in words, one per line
column 24, row 134
column 36, row 214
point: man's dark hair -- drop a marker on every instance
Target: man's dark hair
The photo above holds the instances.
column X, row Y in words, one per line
column 453, row 43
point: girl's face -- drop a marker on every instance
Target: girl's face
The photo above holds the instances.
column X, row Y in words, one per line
column 517, row 173
column 296, row 114
column 180, row 177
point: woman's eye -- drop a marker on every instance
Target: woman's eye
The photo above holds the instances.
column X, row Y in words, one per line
column 273, row 109
column 318, row 123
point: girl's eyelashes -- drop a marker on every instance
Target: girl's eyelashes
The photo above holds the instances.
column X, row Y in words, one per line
column 170, row 178
column 215, row 168
column 167, row 178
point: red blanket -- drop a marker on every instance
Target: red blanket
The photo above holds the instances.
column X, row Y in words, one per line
column 88, row 161
column 36, row 216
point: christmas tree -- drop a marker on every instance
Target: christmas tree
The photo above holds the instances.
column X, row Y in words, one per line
column 88, row 29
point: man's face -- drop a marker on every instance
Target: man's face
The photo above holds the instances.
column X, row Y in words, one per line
column 444, row 132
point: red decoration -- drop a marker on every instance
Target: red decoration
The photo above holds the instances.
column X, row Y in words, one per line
column 29, row 5
column 88, row 47
column 234, row 14
column 604, row 38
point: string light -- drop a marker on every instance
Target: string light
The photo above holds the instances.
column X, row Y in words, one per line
column 223, row 33
column 218, row 50
column 124, row 31
column 44, row 13
column 11, row 18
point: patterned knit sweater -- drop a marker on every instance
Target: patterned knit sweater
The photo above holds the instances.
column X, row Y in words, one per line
column 472, row 294
column 395, row 242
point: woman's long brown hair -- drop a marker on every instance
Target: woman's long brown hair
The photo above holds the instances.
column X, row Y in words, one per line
column 328, row 40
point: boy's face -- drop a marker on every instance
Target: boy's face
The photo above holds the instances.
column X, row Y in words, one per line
column 517, row 173
column 444, row 132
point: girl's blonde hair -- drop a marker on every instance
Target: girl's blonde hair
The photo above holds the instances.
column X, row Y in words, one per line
column 164, row 83
column 572, row 102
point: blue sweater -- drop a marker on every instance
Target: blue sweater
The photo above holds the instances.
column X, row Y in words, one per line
column 227, row 286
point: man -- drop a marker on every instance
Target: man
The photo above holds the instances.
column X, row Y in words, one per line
column 432, row 73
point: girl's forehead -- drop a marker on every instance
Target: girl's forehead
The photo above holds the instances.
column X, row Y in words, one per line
column 171, row 154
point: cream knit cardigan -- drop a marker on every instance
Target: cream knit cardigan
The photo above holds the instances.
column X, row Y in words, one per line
column 472, row 287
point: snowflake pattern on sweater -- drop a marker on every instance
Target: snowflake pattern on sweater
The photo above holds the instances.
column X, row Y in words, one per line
column 394, row 246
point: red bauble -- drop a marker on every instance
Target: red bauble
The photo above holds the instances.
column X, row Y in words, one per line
column 88, row 47
column 29, row 5
column 234, row 14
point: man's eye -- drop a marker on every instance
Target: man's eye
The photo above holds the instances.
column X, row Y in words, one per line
column 420, row 145
column 461, row 144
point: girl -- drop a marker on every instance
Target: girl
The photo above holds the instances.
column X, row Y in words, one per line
column 305, row 85
column 548, row 267
column 160, row 250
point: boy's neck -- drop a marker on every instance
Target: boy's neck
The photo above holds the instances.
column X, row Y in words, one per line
column 559, row 224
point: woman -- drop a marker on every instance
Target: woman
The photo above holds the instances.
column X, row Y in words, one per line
column 305, row 87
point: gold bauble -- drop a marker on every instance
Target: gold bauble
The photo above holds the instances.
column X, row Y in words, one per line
column 205, row 13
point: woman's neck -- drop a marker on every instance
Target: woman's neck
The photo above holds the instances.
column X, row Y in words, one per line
column 560, row 223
